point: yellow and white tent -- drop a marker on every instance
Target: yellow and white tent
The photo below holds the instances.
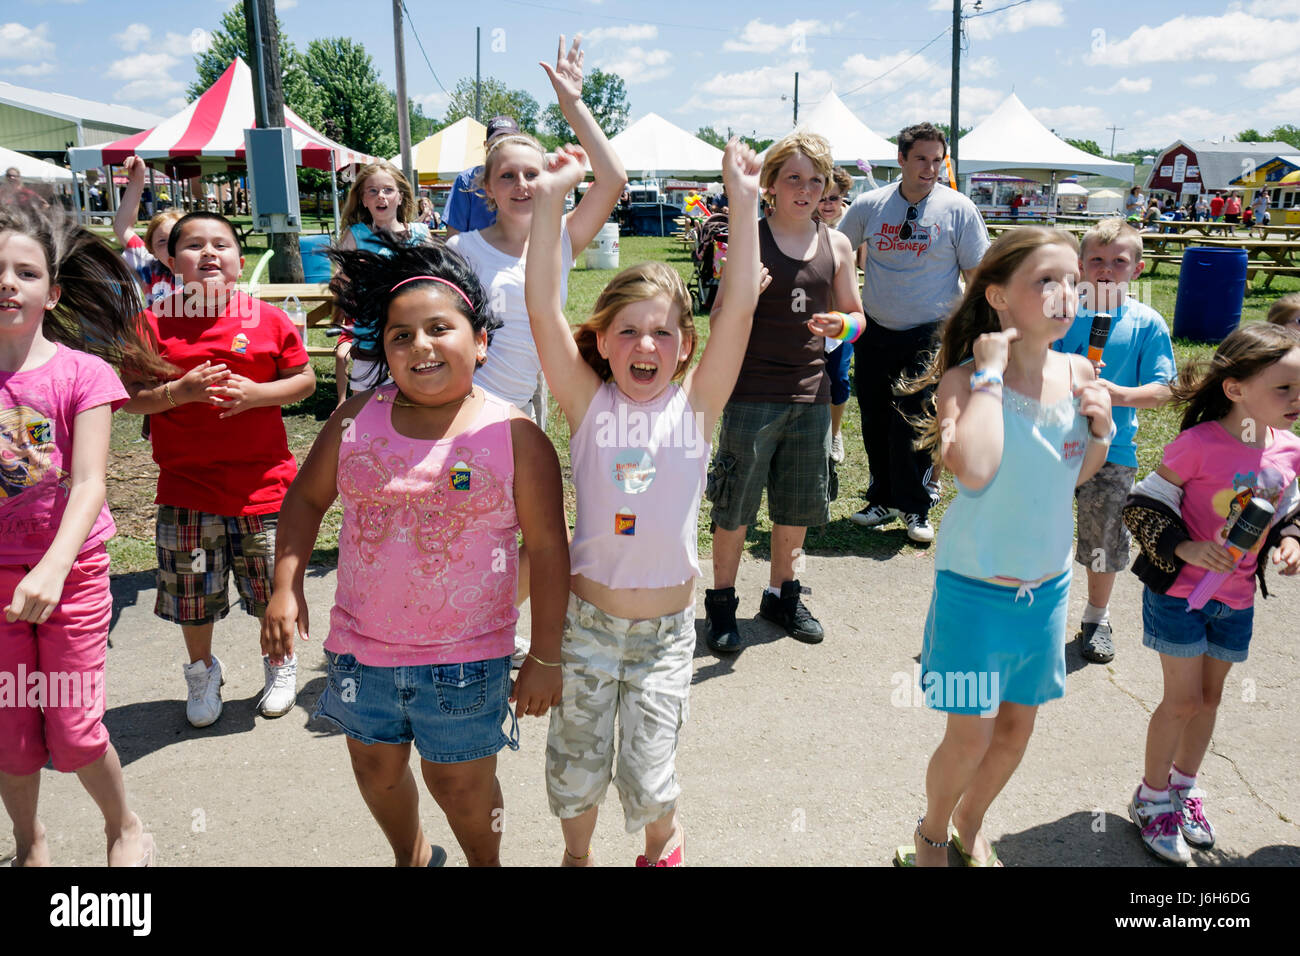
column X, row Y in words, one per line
column 445, row 154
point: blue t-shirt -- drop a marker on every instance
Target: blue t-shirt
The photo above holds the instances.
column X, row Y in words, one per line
column 1138, row 352
column 466, row 208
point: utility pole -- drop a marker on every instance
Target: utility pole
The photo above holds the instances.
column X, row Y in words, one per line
column 264, row 48
column 478, row 80
column 403, row 117
column 1112, row 139
column 796, row 99
column 953, row 125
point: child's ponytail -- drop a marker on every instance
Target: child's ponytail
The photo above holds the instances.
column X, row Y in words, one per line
column 99, row 302
column 1247, row 351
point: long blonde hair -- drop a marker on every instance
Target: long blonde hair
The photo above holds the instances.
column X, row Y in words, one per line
column 646, row 280
column 355, row 211
column 494, row 154
column 974, row 317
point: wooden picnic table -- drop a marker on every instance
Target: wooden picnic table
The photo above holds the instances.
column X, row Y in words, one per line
column 315, row 297
column 1205, row 228
column 998, row 228
column 1281, row 230
column 1269, row 257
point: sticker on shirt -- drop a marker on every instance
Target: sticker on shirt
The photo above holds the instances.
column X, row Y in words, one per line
column 239, row 344
column 624, row 522
column 633, row 471
column 1072, row 450
column 1268, row 483
column 26, row 440
column 460, row 474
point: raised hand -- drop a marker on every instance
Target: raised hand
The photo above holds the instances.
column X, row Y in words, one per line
column 566, row 75
column 563, row 170
column 992, row 350
column 135, row 170
column 740, row 168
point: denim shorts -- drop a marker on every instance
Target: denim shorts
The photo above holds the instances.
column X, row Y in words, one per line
column 1216, row 630
column 453, row 712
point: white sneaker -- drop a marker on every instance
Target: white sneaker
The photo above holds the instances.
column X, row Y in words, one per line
column 874, row 516
column 204, row 704
column 837, row 448
column 919, row 528
column 281, row 690
column 1159, row 824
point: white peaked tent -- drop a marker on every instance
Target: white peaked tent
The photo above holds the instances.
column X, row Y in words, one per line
column 34, row 170
column 1013, row 141
column 850, row 138
column 654, row 146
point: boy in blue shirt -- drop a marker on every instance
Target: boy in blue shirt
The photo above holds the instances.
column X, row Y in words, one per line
column 1137, row 366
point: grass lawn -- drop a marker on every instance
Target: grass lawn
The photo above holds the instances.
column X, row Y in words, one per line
column 133, row 475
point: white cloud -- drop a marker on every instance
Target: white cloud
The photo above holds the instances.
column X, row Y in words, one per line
column 1234, row 37
column 1287, row 104
column 751, row 100
column 636, row 65
column 18, row 42
column 628, row 34
column 30, row 69
column 143, row 66
column 1271, row 73
column 433, row 103
column 895, row 71
column 1200, row 79
column 1277, row 8
column 1122, row 85
column 1016, row 20
column 980, row 66
column 133, row 37
column 1075, row 122
column 153, row 88
column 760, row 37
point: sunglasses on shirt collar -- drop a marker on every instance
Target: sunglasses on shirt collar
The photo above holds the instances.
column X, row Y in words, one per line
column 906, row 231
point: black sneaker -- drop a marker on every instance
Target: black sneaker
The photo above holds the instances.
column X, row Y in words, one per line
column 1095, row 644
column 788, row 612
column 720, row 609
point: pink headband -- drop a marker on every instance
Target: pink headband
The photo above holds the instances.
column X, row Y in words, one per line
column 451, row 285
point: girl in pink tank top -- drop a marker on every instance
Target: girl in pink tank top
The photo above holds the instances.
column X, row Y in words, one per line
column 437, row 478
column 639, row 444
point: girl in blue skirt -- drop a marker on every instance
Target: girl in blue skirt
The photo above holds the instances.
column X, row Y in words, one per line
column 1019, row 426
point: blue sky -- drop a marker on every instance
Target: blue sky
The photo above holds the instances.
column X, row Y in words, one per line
column 1160, row 70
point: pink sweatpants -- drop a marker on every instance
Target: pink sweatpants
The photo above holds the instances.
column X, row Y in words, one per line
column 52, row 674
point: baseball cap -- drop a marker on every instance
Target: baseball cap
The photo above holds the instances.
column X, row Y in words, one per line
column 500, row 126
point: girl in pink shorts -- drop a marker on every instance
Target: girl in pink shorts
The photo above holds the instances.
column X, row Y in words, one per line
column 57, row 397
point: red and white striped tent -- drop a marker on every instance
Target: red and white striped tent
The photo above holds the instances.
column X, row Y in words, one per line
column 208, row 136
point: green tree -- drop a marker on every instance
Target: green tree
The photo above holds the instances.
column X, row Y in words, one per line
column 606, row 97
column 359, row 109
column 1251, row 135
column 711, row 136
column 1087, row 145
column 230, row 40
column 497, row 100
column 1287, row 133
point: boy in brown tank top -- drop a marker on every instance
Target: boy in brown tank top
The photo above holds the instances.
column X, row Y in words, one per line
column 776, row 427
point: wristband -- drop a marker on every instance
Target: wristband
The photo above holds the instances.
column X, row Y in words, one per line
column 851, row 327
column 1102, row 441
column 167, row 390
column 542, row 662
column 994, row 390
column 983, row 377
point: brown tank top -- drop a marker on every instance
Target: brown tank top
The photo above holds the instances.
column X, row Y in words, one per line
column 784, row 361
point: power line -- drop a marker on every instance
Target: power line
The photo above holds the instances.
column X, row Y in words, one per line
column 421, row 46
column 942, row 33
column 989, row 13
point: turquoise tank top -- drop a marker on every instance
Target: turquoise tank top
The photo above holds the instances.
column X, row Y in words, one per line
column 1021, row 524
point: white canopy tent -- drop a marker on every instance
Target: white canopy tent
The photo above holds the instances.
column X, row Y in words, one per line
column 652, row 146
column 1012, row 140
column 850, row 138
column 34, row 170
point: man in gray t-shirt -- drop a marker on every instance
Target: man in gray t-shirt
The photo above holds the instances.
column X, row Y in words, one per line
column 920, row 236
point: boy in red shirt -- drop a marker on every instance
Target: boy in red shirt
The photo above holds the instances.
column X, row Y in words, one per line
column 223, row 456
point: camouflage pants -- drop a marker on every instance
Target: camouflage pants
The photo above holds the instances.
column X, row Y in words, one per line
column 639, row 671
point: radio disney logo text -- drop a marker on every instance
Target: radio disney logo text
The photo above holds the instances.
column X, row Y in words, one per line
column 887, row 240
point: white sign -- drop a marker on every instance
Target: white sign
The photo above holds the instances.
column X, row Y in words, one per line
column 1193, row 172
column 1180, row 167
column 1166, row 171
column 1191, row 189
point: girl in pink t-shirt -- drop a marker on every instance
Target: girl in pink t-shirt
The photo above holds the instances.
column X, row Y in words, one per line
column 1236, row 444
column 639, row 446
column 437, row 478
column 57, row 397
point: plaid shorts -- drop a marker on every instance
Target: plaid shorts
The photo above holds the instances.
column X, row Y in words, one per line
column 784, row 447
column 1104, row 540
column 196, row 553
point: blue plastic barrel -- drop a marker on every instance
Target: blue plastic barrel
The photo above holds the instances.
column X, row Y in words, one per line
column 1211, row 288
column 315, row 266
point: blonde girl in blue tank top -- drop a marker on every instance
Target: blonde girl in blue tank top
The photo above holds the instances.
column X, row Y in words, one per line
column 1019, row 426
column 629, row 635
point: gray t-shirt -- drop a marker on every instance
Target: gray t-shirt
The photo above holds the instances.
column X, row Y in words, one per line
column 914, row 282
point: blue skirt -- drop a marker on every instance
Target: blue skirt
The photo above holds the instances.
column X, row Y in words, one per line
column 986, row 643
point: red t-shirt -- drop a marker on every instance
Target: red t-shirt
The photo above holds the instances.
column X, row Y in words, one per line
column 224, row 466
column 1216, row 206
